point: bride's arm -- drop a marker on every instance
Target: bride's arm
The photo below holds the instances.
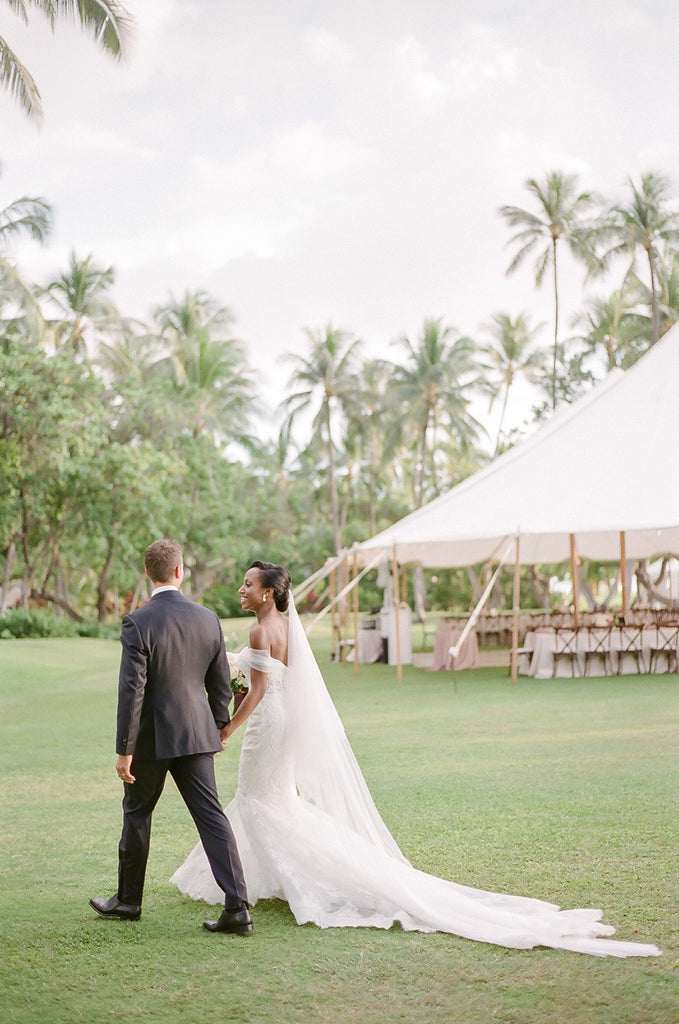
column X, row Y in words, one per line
column 250, row 701
column 258, row 681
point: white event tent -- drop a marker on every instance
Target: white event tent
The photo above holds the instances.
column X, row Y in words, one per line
column 604, row 467
column 598, row 480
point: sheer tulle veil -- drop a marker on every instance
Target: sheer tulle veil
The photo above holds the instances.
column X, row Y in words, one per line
column 326, row 771
column 309, row 833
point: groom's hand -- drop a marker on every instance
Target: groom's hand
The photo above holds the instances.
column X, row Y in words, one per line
column 123, row 765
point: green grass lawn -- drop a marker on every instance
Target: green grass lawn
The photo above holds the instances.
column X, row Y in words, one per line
column 564, row 790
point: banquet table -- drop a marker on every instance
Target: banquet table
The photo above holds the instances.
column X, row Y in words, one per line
column 369, row 646
column 598, row 651
column 447, row 634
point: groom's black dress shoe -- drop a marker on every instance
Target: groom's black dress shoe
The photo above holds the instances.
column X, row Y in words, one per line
column 235, row 922
column 114, row 908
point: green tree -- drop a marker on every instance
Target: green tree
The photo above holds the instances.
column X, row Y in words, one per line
column 107, row 20
column 611, row 330
column 85, row 313
column 667, row 288
column 26, row 217
column 121, row 499
column 324, row 381
column 432, row 391
column 206, row 367
column 207, row 512
column 42, row 456
column 648, row 222
column 368, row 432
column 509, row 355
column 563, row 216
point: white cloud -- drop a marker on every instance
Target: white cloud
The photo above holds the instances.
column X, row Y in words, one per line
column 340, row 160
column 327, row 47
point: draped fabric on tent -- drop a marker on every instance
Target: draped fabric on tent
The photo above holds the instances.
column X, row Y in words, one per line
column 605, row 465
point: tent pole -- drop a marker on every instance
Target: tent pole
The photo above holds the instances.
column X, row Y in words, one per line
column 328, row 607
column 574, row 577
column 333, row 626
column 623, row 575
column 354, row 568
column 471, row 621
column 515, row 609
column 397, row 612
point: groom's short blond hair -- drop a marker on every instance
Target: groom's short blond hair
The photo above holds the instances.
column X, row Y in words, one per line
column 161, row 559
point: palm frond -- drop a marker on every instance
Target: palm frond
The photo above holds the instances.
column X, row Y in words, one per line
column 19, row 82
column 108, row 20
column 20, row 8
column 26, row 216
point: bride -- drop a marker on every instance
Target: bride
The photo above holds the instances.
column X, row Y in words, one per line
column 308, row 831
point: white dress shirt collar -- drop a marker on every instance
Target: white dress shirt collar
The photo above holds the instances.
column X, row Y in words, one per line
column 166, row 586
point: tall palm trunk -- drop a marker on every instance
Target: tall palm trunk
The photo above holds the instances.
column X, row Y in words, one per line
column 654, row 299
column 418, row 481
column 372, row 486
column 434, row 430
column 556, row 323
column 502, row 417
column 334, row 498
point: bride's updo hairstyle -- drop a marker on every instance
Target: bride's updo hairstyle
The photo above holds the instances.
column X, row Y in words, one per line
column 278, row 577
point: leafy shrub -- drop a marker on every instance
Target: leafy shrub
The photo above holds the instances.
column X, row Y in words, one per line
column 97, row 630
column 224, row 600
column 34, row 622
column 29, row 623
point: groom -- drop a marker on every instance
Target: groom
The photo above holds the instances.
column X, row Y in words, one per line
column 173, row 696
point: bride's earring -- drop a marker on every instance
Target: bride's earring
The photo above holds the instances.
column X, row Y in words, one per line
column 264, row 598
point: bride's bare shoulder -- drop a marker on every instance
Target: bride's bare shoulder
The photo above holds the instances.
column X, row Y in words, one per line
column 271, row 636
column 258, row 638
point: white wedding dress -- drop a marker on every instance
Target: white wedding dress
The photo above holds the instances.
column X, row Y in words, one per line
column 309, row 833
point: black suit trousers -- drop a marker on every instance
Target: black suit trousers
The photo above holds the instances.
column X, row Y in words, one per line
column 194, row 776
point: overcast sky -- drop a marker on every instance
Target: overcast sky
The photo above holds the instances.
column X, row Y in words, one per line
column 315, row 161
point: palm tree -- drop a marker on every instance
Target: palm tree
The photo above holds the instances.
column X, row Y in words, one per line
column 84, row 310
column 610, row 328
column 32, row 217
column 367, row 411
column 107, row 20
column 667, row 282
column 324, row 381
column 129, row 352
column 647, row 222
column 510, row 354
column 432, row 389
column 561, row 216
column 206, row 367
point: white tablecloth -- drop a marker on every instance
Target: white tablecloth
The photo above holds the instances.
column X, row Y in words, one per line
column 540, row 645
column 369, row 645
column 447, row 634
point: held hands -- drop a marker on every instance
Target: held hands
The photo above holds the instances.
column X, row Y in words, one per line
column 123, row 765
column 225, row 732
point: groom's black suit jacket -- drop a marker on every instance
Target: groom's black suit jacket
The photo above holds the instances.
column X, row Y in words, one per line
column 174, row 683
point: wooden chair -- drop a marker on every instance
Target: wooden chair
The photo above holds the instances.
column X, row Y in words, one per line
column 665, row 646
column 630, row 646
column 566, row 646
column 598, row 648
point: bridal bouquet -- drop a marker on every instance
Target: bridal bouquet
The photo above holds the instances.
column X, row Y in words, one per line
column 239, row 684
